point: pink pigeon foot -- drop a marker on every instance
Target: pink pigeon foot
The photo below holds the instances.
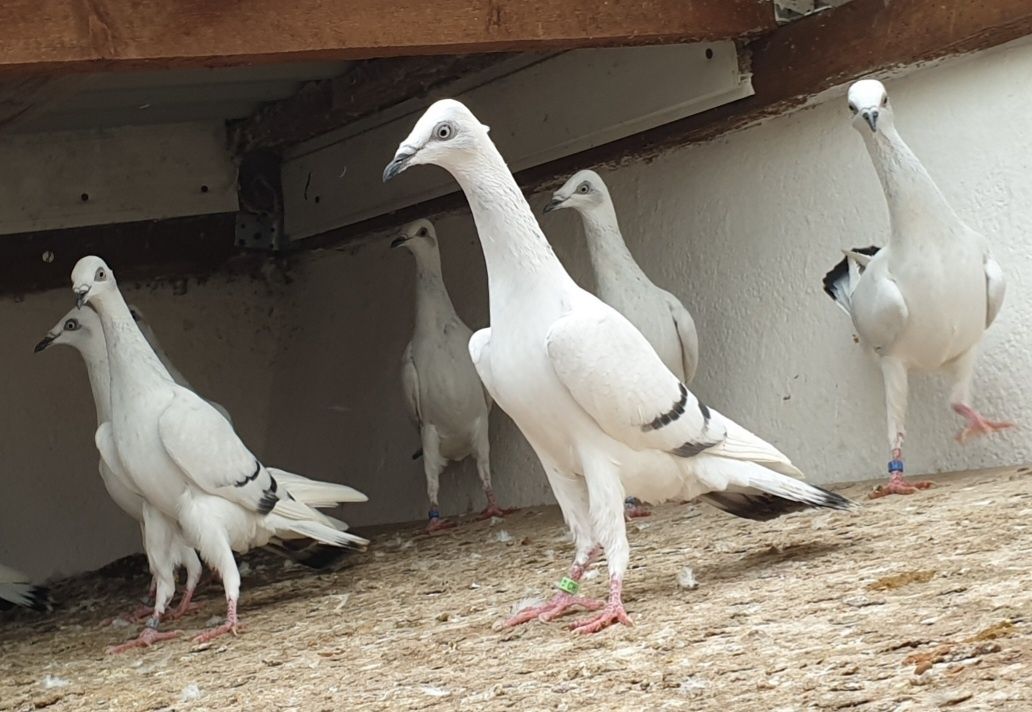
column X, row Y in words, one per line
column 634, row 509
column 613, row 612
column 436, row 525
column 148, row 637
column 232, row 625
column 493, row 510
column 978, row 425
column 560, row 604
column 898, row 485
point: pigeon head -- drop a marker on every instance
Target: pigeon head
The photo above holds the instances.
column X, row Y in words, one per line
column 417, row 236
column 444, row 136
column 78, row 329
column 869, row 103
column 582, row 192
column 91, row 277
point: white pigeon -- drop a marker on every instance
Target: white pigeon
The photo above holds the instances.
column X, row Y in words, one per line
column 925, row 300
column 184, row 459
column 602, row 412
column 442, row 389
column 622, row 284
column 17, row 590
column 81, row 329
column 177, row 375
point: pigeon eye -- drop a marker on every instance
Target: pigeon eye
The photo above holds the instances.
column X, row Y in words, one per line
column 583, row 188
column 852, row 108
column 443, row 131
column 422, row 232
column 71, row 325
column 885, row 101
column 101, row 275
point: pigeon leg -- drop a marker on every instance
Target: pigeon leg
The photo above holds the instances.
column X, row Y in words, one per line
column 232, row 624
column 896, row 483
column 433, row 466
column 492, row 509
column 483, row 458
column 976, row 424
column 220, row 557
column 148, row 637
column 962, row 369
column 606, row 497
column 436, row 523
column 633, row 508
column 563, row 601
column 613, row 611
column 193, row 576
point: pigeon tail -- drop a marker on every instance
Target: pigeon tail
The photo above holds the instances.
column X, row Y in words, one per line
column 840, row 282
column 754, row 492
column 24, row 594
column 320, row 557
column 316, row 493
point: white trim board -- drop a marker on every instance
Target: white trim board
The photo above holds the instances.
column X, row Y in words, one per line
column 77, row 178
column 553, row 108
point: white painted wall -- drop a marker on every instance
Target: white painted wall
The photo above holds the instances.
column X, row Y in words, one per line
column 742, row 229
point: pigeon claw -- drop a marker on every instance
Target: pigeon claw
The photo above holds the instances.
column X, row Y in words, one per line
column 561, row 604
column 897, row 485
column 611, row 614
column 437, row 524
column 218, row 631
column 493, row 510
column 147, row 638
column 982, row 427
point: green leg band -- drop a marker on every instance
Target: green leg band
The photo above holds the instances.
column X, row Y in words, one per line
column 568, row 585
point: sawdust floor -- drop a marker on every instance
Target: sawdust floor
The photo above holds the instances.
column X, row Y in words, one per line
column 917, row 603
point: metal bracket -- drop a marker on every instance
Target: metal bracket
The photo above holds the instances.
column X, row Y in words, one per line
column 258, row 232
column 786, row 11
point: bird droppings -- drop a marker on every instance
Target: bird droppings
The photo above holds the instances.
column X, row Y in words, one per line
column 190, row 693
column 686, row 579
column 785, row 621
column 50, row 682
column 502, row 536
column 888, row 583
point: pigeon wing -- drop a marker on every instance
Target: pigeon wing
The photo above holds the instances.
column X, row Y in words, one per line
column 208, row 451
column 618, row 379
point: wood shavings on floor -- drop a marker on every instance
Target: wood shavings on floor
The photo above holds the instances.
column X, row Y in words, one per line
column 912, row 603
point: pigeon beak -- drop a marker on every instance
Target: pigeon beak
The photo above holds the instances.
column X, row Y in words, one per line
column 398, row 241
column 554, row 204
column 81, row 294
column 400, row 163
column 871, row 117
column 44, row 342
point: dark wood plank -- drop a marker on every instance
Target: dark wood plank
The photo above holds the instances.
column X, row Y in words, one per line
column 96, row 35
column 173, row 249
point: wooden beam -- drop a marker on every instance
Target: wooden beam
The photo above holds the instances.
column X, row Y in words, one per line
column 94, row 35
column 789, row 66
column 365, row 88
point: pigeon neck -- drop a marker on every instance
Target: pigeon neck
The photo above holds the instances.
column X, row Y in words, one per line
column 128, row 351
column 913, row 198
column 432, row 299
column 516, row 253
column 94, row 355
column 606, row 247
